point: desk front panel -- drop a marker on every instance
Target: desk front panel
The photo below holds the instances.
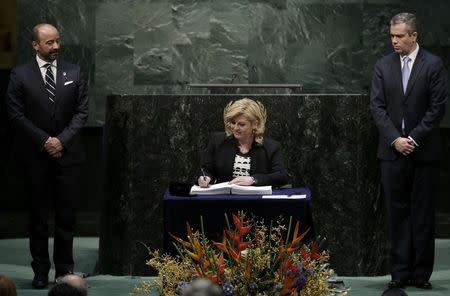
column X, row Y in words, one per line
column 179, row 210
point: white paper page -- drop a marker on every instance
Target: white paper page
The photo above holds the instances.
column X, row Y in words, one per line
column 252, row 190
column 213, row 189
column 295, row 196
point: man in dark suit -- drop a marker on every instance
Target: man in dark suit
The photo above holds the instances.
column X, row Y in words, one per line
column 408, row 95
column 48, row 106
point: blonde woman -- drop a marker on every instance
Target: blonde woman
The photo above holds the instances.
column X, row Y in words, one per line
column 242, row 155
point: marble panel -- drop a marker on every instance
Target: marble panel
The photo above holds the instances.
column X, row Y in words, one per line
column 114, row 52
column 154, row 33
column 229, row 42
column 192, row 61
column 191, row 52
column 267, row 43
column 305, row 53
column 343, row 45
column 277, row 4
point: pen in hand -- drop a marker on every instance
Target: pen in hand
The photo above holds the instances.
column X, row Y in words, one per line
column 203, row 180
column 203, row 173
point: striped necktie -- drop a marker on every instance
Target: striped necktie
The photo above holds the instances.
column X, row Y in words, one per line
column 50, row 84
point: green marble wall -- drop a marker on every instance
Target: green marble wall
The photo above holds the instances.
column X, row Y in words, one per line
column 156, row 46
column 329, row 146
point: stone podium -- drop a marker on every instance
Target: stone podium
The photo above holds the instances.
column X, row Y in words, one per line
column 329, row 145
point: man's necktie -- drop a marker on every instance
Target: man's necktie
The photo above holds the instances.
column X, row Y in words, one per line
column 405, row 72
column 50, row 84
column 405, row 76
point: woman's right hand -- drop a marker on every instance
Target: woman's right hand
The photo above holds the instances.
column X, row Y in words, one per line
column 203, row 181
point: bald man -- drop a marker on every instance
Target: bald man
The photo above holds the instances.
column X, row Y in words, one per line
column 47, row 105
column 76, row 282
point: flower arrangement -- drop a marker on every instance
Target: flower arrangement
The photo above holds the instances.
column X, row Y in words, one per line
column 251, row 259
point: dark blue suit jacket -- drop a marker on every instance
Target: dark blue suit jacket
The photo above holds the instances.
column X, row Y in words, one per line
column 266, row 165
column 422, row 106
column 35, row 117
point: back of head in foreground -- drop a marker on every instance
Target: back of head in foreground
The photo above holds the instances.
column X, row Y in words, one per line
column 202, row 287
column 7, row 287
column 64, row 289
column 394, row 292
column 74, row 281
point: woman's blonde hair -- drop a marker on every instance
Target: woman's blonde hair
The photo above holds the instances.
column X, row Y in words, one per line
column 253, row 111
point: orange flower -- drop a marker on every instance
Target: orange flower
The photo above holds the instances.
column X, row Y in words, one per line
column 290, row 248
column 221, row 266
column 282, row 252
column 296, row 239
column 235, row 255
column 193, row 256
column 223, row 245
column 214, row 279
column 198, row 248
column 182, row 242
column 188, row 229
column 247, row 270
column 205, row 265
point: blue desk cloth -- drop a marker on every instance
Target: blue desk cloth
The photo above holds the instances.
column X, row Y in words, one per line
column 181, row 209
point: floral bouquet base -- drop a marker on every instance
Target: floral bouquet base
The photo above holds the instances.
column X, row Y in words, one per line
column 252, row 259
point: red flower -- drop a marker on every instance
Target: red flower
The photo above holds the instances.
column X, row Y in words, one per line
column 242, row 246
column 293, row 269
column 242, row 230
column 314, row 253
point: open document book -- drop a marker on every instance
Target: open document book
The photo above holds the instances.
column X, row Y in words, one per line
column 226, row 188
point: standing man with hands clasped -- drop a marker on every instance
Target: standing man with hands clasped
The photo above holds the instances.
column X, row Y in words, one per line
column 47, row 106
column 408, row 95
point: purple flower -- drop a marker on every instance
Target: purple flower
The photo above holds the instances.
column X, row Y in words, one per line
column 289, row 272
column 227, row 289
column 181, row 287
column 278, row 287
column 301, row 282
column 299, row 264
column 252, row 288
